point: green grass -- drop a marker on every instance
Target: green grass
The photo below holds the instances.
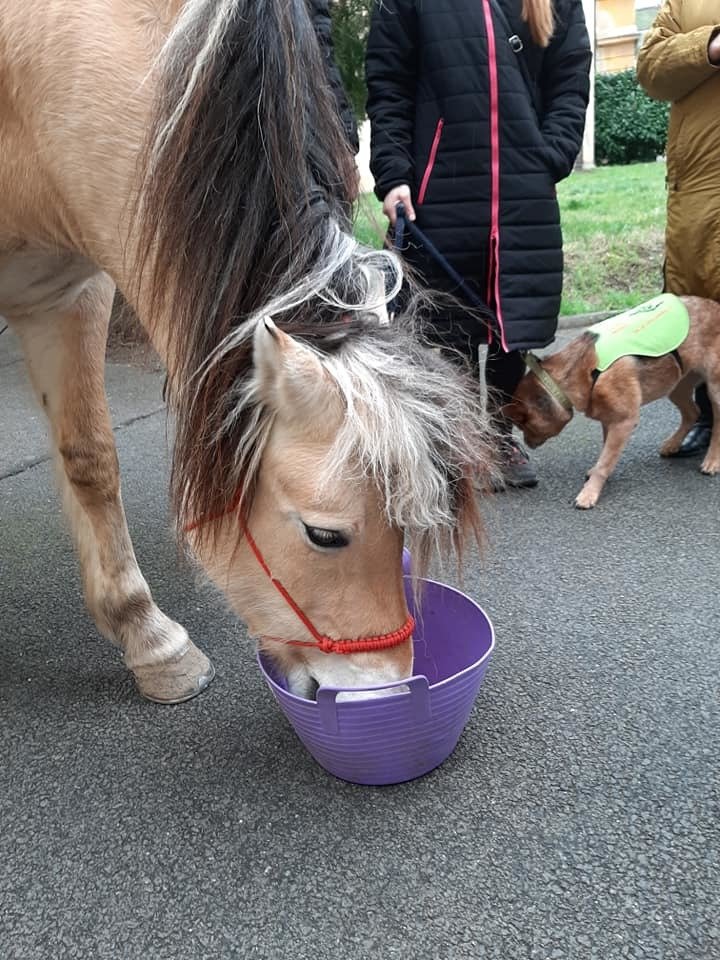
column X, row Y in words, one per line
column 370, row 224
column 613, row 224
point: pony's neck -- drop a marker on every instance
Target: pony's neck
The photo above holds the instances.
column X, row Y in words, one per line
column 77, row 95
column 103, row 183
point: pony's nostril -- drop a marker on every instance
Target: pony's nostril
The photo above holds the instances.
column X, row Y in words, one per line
column 312, row 688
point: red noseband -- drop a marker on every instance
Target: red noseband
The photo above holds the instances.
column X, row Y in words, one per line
column 383, row 641
column 361, row 645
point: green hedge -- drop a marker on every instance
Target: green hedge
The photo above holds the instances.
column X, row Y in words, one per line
column 629, row 125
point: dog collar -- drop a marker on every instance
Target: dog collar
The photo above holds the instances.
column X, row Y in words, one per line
column 553, row 388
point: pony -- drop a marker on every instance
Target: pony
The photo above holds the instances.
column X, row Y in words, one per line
column 190, row 155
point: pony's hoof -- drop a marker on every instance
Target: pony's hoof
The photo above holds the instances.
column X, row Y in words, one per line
column 177, row 680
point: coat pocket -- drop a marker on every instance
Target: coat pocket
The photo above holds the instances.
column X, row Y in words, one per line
column 431, row 162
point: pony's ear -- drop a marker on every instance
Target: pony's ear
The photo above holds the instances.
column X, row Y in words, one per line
column 289, row 376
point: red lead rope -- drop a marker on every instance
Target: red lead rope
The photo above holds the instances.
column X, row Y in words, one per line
column 382, row 641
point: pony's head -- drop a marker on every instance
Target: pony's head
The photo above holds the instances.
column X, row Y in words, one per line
column 348, row 445
column 316, row 526
column 313, row 435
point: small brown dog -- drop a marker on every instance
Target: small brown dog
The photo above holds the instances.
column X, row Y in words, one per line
column 569, row 380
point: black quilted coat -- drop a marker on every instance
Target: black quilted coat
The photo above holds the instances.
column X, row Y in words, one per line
column 431, row 74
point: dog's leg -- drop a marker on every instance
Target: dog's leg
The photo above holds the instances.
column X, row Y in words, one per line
column 682, row 397
column 616, row 437
column 711, row 463
column 604, row 433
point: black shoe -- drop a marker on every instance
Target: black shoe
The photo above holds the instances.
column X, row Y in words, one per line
column 696, row 442
column 515, row 465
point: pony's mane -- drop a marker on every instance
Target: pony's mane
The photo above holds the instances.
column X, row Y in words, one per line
column 413, row 424
column 243, row 213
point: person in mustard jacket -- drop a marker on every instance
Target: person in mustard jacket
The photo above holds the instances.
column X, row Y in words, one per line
column 679, row 61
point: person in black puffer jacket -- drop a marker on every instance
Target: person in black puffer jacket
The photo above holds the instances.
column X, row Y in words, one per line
column 477, row 110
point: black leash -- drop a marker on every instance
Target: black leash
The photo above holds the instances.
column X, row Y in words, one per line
column 403, row 224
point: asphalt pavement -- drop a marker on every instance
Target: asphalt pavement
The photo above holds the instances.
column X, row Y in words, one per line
column 578, row 818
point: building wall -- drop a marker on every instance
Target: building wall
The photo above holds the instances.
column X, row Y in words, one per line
column 645, row 11
column 616, row 35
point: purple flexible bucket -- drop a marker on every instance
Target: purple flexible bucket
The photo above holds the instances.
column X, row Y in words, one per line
column 402, row 736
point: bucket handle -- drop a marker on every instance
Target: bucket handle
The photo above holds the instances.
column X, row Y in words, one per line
column 419, row 698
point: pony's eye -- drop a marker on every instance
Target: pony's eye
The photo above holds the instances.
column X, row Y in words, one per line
column 330, row 539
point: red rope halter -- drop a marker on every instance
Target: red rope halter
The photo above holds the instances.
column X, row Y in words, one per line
column 383, row 641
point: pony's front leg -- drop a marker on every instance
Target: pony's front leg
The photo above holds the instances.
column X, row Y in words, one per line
column 65, row 353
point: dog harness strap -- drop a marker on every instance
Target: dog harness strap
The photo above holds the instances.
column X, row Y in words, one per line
column 551, row 387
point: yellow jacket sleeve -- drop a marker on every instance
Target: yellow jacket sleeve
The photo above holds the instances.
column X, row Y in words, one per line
column 672, row 63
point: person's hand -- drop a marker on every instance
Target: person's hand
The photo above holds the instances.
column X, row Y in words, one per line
column 397, row 195
column 714, row 50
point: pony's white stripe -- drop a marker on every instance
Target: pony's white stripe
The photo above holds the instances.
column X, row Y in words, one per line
column 191, row 13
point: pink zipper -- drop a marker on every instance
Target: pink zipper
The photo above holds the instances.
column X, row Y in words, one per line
column 431, row 161
column 493, row 290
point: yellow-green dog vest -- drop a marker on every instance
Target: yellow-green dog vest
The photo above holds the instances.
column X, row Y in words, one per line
column 651, row 329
